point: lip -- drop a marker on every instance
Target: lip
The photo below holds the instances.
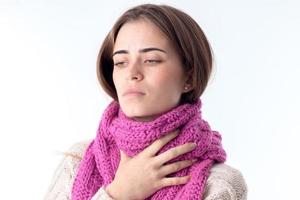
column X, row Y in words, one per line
column 134, row 92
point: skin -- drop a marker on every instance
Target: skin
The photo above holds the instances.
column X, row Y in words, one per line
column 157, row 73
column 160, row 76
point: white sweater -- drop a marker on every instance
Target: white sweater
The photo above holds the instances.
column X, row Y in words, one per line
column 224, row 182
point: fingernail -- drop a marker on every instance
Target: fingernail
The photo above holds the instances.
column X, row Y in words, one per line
column 194, row 160
column 193, row 145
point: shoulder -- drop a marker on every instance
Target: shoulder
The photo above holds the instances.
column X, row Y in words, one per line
column 74, row 155
column 77, row 149
column 65, row 172
column 225, row 182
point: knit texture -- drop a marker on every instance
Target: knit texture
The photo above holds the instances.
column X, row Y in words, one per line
column 118, row 132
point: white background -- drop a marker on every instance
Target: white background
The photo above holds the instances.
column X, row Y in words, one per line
column 50, row 97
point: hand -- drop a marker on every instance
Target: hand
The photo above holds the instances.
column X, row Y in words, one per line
column 142, row 175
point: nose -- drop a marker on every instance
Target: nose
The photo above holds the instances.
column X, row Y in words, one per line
column 134, row 72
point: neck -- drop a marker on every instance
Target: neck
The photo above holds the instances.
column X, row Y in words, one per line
column 145, row 118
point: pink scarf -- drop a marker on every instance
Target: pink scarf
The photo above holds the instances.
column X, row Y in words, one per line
column 116, row 131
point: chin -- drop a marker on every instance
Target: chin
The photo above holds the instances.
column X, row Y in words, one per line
column 141, row 111
column 136, row 114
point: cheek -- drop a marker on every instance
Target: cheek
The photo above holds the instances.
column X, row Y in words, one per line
column 116, row 81
column 168, row 83
column 113, row 75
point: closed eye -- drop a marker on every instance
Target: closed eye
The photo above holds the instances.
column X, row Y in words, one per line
column 152, row 61
column 118, row 64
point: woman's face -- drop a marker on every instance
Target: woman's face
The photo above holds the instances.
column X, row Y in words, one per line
column 146, row 62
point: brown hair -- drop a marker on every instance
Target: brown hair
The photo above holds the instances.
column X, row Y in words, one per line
column 186, row 35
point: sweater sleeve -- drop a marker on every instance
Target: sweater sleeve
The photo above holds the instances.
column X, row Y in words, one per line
column 61, row 184
column 225, row 183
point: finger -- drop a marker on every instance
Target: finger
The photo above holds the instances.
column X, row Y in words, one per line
column 152, row 149
column 174, row 167
column 124, row 157
column 173, row 153
column 174, row 181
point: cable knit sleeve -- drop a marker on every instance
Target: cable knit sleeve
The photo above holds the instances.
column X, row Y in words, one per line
column 64, row 175
column 224, row 182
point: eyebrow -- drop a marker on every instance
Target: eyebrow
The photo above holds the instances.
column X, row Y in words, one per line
column 145, row 50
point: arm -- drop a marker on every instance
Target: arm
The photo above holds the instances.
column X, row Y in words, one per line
column 225, row 183
column 64, row 175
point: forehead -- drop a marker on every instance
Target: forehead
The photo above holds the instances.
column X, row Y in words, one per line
column 140, row 33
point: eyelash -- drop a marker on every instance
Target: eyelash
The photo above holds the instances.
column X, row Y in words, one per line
column 150, row 61
column 118, row 63
column 154, row 61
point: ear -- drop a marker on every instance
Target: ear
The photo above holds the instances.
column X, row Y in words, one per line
column 187, row 88
column 187, row 82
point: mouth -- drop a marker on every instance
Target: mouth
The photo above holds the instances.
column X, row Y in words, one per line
column 133, row 92
column 137, row 94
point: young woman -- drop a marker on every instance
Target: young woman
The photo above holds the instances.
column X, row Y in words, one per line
column 152, row 142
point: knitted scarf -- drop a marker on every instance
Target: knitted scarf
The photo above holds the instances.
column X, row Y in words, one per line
column 118, row 132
